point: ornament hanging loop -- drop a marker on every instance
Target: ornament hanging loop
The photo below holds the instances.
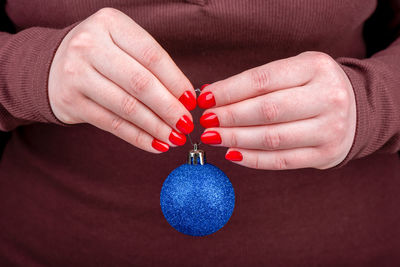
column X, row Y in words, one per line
column 198, row 92
column 196, row 156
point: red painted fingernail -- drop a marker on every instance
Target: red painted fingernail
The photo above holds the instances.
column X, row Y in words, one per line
column 204, row 86
column 209, row 120
column 188, row 100
column 211, row 137
column 159, row 145
column 177, row 138
column 234, row 156
column 185, row 125
column 206, row 100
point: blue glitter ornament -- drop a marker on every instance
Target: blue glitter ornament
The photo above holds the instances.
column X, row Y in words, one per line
column 197, row 198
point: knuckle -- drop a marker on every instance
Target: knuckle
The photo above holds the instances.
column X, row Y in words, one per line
column 67, row 119
column 67, row 97
column 129, row 105
column 331, row 152
column 228, row 95
column 339, row 129
column 255, row 163
column 139, row 82
column 322, row 167
column 81, row 41
column 322, row 60
column 139, row 138
column 306, row 54
column 324, row 157
column 116, row 123
column 339, row 98
column 229, row 117
column 106, row 13
column 332, row 132
column 65, row 103
column 151, row 55
column 271, row 140
column 311, row 54
column 280, row 163
column 233, row 140
column 61, row 107
column 269, row 110
column 259, row 79
column 64, row 115
column 69, row 68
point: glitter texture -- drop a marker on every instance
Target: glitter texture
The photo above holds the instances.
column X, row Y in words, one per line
column 197, row 200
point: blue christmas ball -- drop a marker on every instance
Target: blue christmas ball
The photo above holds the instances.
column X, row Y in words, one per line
column 197, row 200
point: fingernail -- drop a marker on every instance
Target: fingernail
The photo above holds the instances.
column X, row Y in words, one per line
column 204, row 86
column 159, row 145
column 209, row 120
column 177, row 138
column 211, row 137
column 234, row 156
column 206, row 100
column 188, row 100
column 185, row 125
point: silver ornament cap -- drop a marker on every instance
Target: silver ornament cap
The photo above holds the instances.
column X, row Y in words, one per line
column 196, row 156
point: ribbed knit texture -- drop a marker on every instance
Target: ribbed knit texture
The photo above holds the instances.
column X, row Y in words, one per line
column 78, row 196
column 26, row 58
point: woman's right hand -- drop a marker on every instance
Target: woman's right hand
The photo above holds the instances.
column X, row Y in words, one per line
column 109, row 72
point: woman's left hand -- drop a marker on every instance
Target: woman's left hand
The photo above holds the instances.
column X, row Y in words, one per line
column 298, row 112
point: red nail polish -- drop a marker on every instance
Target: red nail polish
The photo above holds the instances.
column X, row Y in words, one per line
column 204, row 86
column 234, row 156
column 211, row 137
column 206, row 100
column 159, row 145
column 185, row 125
column 188, row 100
column 177, row 138
column 209, row 120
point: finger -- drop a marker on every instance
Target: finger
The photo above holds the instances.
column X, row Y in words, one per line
column 140, row 45
column 304, row 133
column 117, row 66
column 110, row 122
column 280, row 106
column 115, row 99
column 281, row 74
column 306, row 157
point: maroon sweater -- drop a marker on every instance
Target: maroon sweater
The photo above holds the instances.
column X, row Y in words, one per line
column 78, row 196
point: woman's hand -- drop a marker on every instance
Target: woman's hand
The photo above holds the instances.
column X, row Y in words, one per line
column 111, row 73
column 293, row 113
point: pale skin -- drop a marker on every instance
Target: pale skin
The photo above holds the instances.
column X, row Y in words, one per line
column 298, row 112
column 109, row 72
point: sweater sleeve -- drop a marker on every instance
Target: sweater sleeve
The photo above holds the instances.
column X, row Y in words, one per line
column 376, row 84
column 25, row 60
